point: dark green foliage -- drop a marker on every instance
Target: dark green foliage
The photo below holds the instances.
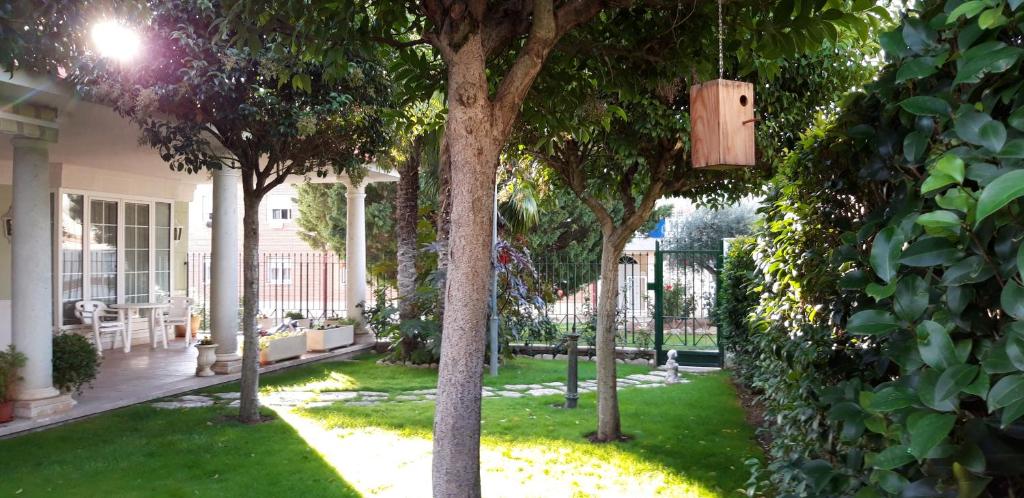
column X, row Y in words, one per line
column 75, row 362
column 736, row 298
column 885, row 345
column 10, row 361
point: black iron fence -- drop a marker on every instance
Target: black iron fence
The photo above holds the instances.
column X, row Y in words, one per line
column 311, row 284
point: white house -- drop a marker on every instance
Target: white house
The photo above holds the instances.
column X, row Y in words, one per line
column 91, row 214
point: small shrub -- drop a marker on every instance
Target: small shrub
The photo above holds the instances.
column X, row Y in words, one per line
column 75, row 362
column 295, row 315
column 10, row 361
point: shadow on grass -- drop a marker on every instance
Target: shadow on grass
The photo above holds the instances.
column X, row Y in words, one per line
column 688, row 440
column 142, row 451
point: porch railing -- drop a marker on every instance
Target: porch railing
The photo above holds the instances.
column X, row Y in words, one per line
column 306, row 282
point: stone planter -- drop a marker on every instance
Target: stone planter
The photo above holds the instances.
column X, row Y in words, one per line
column 292, row 346
column 327, row 339
column 205, row 360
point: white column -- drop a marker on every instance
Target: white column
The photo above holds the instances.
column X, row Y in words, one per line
column 224, row 271
column 355, row 250
column 31, row 282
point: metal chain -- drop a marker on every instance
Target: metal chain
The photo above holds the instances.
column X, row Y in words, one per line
column 721, row 63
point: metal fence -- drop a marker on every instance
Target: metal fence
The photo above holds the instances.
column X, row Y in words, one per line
column 309, row 283
column 577, row 286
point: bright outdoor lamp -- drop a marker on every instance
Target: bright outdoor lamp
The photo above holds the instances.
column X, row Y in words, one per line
column 115, row 40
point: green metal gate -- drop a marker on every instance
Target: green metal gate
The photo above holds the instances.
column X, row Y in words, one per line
column 685, row 295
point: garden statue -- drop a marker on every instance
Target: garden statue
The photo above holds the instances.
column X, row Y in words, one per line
column 672, row 367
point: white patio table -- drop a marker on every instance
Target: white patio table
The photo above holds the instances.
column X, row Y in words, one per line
column 155, row 314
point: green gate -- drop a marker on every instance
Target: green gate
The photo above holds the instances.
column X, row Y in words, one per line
column 685, row 295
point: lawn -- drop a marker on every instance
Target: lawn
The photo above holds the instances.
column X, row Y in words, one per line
column 688, row 440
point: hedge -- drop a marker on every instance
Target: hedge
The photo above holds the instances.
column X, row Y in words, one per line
column 885, row 337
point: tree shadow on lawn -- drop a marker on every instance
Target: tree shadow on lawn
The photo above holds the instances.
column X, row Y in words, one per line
column 688, row 440
column 143, row 451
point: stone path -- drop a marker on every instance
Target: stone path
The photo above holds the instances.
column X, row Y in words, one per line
column 654, row 379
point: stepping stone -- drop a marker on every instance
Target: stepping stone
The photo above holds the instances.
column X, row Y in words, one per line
column 235, row 404
column 544, row 391
column 373, row 394
column 175, row 405
column 407, row 397
column 659, row 373
column 318, row 404
column 517, row 387
column 627, row 382
column 648, row 386
column 228, row 395
column 509, row 394
column 193, row 397
column 553, row 384
column 427, row 397
column 362, row 403
column 487, row 394
column 427, row 391
column 337, row 396
column 645, row 378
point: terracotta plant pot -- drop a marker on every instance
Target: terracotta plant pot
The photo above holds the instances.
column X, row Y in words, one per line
column 6, row 411
column 197, row 320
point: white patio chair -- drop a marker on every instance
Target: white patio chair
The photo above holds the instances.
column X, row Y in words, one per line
column 104, row 321
column 179, row 313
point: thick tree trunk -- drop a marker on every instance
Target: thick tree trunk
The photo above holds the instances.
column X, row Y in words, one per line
column 474, row 159
column 249, row 405
column 407, row 207
column 444, row 216
column 608, row 425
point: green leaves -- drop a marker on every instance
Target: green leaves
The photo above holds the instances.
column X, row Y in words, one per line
column 911, row 298
column 1003, row 190
column 935, row 346
column 947, row 170
column 871, row 322
column 924, row 105
column 927, row 431
column 955, row 379
column 885, row 253
column 985, row 58
column 1012, row 300
column 979, row 128
column 931, row 251
column 1007, row 391
column 893, row 457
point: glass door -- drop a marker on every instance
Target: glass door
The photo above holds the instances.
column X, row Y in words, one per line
column 103, row 251
column 136, row 252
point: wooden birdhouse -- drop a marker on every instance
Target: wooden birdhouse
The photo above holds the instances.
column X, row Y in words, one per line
column 722, row 124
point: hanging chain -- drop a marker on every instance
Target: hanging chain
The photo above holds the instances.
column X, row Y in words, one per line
column 721, row 63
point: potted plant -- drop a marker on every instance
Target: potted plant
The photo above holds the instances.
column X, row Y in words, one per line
column 282, row 346
column 207, row 356
column 10, row 361
column 76, row 362
column 297, row 316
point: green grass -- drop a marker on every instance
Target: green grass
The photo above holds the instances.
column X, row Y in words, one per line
column 688, row 440
column 365, row 374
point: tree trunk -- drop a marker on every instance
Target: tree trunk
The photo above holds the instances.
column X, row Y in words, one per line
column 474, row 151
column 444, row 217
column 249, row 405
column 608, row 425
column 407, row 207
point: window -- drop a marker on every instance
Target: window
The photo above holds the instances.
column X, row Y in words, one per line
column 103, row 251
column 136, row 252
column 279, row 270
column 281, row 214
column 72, row 271
column 162, row 249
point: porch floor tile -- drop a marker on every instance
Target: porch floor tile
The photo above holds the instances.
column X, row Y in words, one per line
column 145, row 374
